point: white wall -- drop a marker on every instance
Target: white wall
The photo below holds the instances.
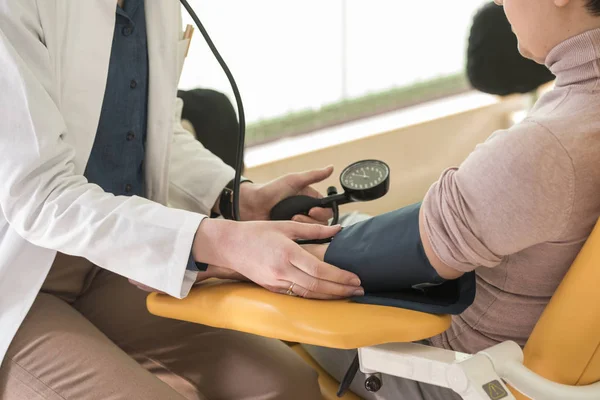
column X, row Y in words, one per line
column 287, row 55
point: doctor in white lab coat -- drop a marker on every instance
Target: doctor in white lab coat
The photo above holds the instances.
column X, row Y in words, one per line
column 54, row 60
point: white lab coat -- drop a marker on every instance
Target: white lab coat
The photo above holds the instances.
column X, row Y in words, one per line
column 54, row 57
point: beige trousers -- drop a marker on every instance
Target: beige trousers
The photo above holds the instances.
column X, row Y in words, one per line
column 89, row 336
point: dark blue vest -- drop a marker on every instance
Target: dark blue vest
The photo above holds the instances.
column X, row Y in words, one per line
column 117, row 159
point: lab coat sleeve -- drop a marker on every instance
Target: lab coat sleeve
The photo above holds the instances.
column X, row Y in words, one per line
column 196, row 175
column 51, row 205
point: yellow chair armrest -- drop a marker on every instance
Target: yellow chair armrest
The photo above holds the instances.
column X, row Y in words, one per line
column 339, row 324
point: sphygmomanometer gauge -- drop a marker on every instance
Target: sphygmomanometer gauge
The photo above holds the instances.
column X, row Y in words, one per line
column 366, row 180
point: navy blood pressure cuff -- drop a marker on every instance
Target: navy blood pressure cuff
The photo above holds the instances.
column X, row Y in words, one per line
column 387, row 254
column 451, row 297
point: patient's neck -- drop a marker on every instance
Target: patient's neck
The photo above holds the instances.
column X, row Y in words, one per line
column 121, row 3
column 574, row 61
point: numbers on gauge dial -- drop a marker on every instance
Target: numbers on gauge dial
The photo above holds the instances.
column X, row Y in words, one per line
column 365, row 176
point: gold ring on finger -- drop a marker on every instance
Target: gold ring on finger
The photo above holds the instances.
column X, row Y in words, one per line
column 290, row 290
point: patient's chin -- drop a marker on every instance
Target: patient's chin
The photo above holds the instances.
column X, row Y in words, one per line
column 528, row 54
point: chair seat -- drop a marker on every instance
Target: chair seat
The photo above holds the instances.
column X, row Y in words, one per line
column 341, row 324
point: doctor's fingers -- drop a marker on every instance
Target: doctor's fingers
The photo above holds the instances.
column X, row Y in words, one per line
column 298, row 290
column 300, row 180
column 307, row 286
column 321, row 214
column 316, row 215
column 296, row 230
column 311, row 266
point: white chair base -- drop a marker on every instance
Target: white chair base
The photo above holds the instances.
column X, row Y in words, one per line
column 474, row 377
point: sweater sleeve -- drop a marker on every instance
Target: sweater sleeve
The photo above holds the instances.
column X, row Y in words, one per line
column 513, row 192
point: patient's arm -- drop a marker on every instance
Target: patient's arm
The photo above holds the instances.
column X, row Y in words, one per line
column 319, row 250
column 513, row 192
column 442, row 269
column 386, row 252
column 347, row 245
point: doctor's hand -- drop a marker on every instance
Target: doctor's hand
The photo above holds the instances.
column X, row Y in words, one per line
column 317, row 250
column 265, row 253
column 256, row 201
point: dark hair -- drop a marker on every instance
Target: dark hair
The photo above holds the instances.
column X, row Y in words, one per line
column 593, row 7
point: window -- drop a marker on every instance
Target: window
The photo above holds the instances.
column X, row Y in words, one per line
column 305, row 65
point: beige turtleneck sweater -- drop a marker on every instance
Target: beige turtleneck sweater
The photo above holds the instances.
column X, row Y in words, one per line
column 519, row 209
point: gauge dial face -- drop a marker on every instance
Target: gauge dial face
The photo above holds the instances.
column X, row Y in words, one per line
column 364, row 175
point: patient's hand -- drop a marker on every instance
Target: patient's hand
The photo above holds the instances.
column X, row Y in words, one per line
column 317, row 250
column 143, row 287
column 221, row 273
column 211, row 272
